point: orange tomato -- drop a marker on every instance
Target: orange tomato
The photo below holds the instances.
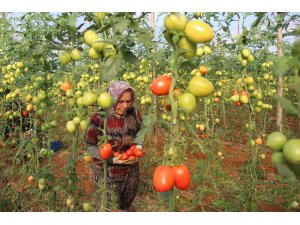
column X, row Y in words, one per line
column 216, row 100
column 258, row 141
column 65, row 86
column 238, row 103
column 244, row 93
column 203, row 70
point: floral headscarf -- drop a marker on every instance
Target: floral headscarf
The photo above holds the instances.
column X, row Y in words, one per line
column 116, row 88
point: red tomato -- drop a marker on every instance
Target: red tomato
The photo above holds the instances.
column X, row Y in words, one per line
column 105, row 151
column 238, row 103
column 129, row 152
column 116, row 154
column 124, row 156
column 163, row 178
column 132, row 147
column 137, row 152
column 182, row 177
column 161, row 85
column 25, row 113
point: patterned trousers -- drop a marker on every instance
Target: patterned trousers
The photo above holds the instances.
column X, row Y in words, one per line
column 122, row 180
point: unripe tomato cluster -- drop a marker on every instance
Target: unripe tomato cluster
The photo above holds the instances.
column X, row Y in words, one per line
column 99, row 48
column 89, row 78
column 266, row 65
column 72, row 125
column 285, row 151
column 195, row 32
column 13, row 72
column 66, row 57
column 205, row 50
column 245, row 57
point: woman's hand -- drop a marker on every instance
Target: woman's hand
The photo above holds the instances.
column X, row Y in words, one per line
column 117, row 160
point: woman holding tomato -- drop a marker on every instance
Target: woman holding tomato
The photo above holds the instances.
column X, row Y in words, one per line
column 123, row 123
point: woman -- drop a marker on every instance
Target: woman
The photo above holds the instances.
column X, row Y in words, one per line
column 123, row 123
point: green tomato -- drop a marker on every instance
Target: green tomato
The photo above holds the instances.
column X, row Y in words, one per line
column 104, row 100
column 200, row 86
column 278, row 158
column 291, row 151
column 83, row 125
column 187, row 102
column 276, row 141
column 71, row 127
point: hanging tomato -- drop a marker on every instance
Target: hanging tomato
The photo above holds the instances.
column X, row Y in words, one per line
column 161, row 85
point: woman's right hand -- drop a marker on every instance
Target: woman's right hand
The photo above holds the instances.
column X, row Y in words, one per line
column 117, row 160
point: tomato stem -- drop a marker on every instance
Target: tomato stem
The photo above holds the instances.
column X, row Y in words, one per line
column 104, row 192
column 171, row 200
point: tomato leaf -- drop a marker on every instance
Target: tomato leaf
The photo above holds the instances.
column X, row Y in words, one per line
column 286, row 172
column 120, row 25
column 175, row 38
column 110, row 68
column 144, row 36
column 286, row 104
column 282, row 65
column 260, row 16
column 147, row 124
column 37, row 50
column 129, row 57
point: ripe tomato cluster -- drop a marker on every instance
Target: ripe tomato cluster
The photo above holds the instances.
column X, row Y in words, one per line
column 132, row 153
column 166, row 177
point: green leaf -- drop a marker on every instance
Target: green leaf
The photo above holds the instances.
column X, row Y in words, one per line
column 175, row 38
column 129, row 57
column 37, row 50
column 282, row 65
column 286, row 172
column 110, row 68
column 147, row 124
column 121, row 25
column 260, row 16
column 286, row 104
column 144, row 37
column 72, row 21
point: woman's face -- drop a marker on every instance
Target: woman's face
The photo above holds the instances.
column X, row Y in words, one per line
column 124, row 103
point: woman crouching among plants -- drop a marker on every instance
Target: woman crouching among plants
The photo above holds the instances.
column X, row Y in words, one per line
column 123, row 123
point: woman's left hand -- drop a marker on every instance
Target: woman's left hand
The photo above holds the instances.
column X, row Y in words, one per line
column 130, row 161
